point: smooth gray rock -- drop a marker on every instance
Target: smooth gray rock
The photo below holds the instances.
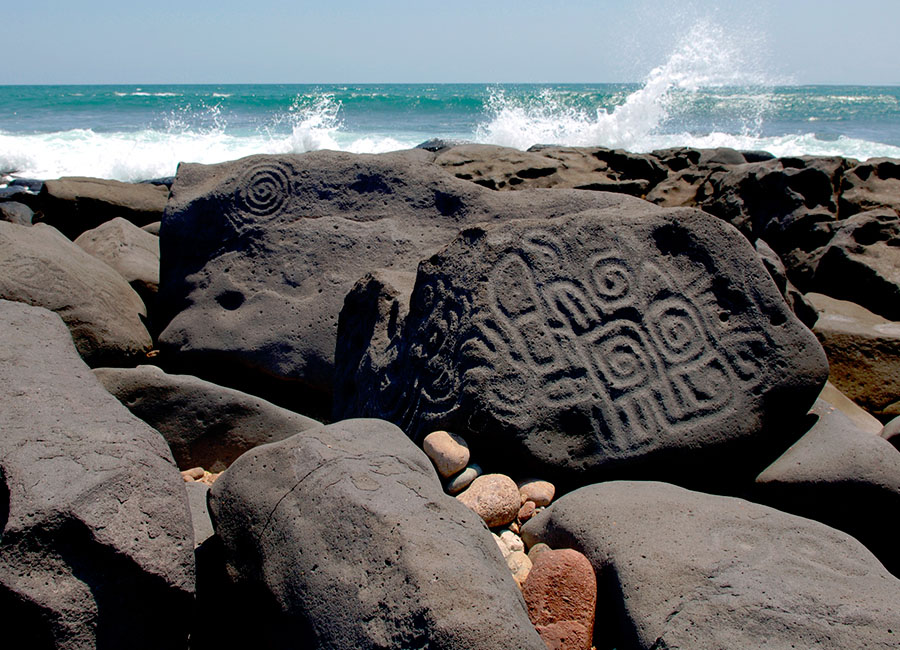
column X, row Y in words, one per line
column 75, row 204
column 95, row 549
column 206, row 425
column 130, row 250
column 343, row 538
column 39, row 266
column 685, row 570
column 17, row 213
column 258, row 254
column 202, row 524
column 635, row 339
column 842, row 476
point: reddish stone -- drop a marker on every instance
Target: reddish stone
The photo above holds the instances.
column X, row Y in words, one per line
column 561, row 594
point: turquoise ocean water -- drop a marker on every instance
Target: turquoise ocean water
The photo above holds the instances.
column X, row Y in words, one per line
column 135, row 132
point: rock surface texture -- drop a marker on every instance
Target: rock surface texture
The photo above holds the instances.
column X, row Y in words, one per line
column 258, row 254
column 40, row 267
column 726, row 573
column 95, row 535
column 634, row 337
column 343, row 538
column 205, row 425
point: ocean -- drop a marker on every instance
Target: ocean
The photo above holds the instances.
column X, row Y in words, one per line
column 137, row 132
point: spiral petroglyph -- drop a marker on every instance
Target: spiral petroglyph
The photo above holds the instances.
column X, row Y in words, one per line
column 264, row 189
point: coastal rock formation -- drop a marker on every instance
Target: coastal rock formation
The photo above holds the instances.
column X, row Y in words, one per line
column 863, row 351
column 75, row 204
column 17, row 213
column 40, row 267
column 725, row 574
column 342, row 537
column 842, row 476
column 630, row 339
column 258, row 254
column 95, row 535
column 131, row 251
column 205, row 425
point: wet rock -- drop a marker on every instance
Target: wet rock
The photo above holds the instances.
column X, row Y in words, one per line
column 343, row 538
column 584, row 345
column 726, row 573
column 842, row 476
column 75, row 204
column 40, row 267
column 204, row 424
column 494, row 497
column 561, row 594
column 448, row 452
column 257, row 255
column 863, row 352
column 96, row 544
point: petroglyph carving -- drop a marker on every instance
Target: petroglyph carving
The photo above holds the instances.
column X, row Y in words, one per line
column 263, row 189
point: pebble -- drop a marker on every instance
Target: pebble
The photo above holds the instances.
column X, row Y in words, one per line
column 520, row 566
column 538, row 548
column 504, row 549
column 541, row 492
column 513, row 542
column 561, row 595
column 494, row 497
column 464, row 479
column 192, row 474
column 447, row 451
column 526, row 512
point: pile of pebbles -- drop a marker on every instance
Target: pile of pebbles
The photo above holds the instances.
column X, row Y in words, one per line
column 561, row 596
column 199, row 475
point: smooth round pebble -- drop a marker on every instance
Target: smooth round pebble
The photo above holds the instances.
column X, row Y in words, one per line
column 447, row 451
column 541, row 492
column 526, row 512
column 537, row 549
column 193, row 474
column 512, row 541
column 494, row 497
column 504, row 549
column 520, row 566
column 464, row 479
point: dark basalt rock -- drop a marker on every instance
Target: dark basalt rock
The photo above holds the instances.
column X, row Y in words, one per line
column 341, row 537
column 872, row 185
column 680, row 569
column 205, row 425
column 95, row 533
column 76, row 204
column 258, row 255
column 801, row 307
column 633, row 339
column 841, row 476
column 39, row 266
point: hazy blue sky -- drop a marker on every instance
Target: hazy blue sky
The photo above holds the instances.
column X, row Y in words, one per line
column 356, row 41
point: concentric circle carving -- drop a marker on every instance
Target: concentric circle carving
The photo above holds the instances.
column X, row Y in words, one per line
column 263, row 189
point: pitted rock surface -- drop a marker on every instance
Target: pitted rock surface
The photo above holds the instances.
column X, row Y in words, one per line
column 681, row 569
column 96, row 548
column 632, row 336
column 344, row 538
column 257, row 255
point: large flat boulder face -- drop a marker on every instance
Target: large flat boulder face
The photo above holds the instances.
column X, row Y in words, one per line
column 257, row 255
column 95, row 534
column 682, row 570
column 637, row 339
column 341, row 537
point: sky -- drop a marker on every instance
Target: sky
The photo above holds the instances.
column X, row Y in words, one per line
column 436, row 41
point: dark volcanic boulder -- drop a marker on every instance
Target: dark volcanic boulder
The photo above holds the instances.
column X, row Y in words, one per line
column 633, row 338
column 871, row 185
column 40, row 267
column 862, row 263
column 205, row 425
column 341, row 537
column 75, row 204
column 130, row 250
column 258, row 254
column 842, row 476
column 684, row 570
column 95, row 535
